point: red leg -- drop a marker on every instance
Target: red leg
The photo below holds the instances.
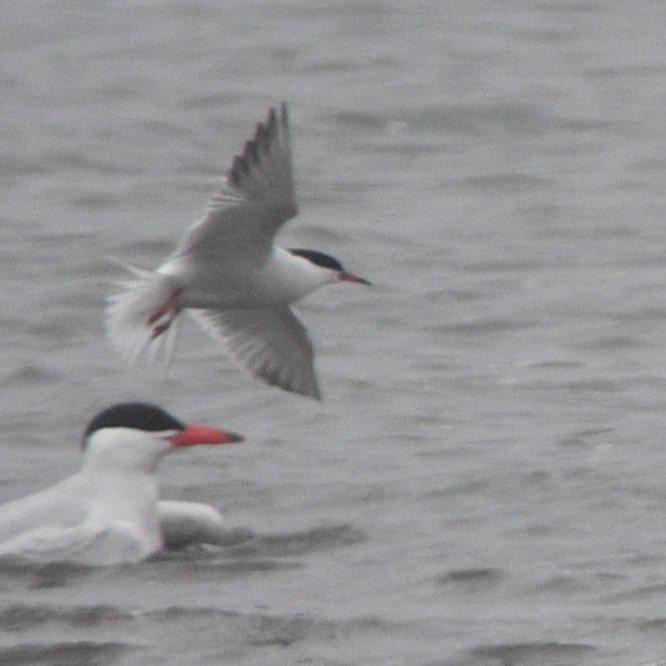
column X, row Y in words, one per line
column 160, row 328
column 166, row 307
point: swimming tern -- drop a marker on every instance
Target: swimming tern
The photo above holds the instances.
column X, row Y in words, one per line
column 109, row 512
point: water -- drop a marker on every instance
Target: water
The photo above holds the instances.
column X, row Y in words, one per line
column 483, row 484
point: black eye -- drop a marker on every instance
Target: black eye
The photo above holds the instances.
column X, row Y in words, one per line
column 318, row 258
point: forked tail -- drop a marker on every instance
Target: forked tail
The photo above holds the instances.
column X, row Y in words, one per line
column 142, row 317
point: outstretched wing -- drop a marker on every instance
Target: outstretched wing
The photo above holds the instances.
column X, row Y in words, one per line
column 257, row 197
column 271, row 343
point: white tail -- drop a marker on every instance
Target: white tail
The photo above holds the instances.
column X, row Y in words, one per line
column 129, row 312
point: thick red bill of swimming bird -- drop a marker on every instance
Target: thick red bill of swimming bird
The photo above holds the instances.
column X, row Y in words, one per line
column 195, row 433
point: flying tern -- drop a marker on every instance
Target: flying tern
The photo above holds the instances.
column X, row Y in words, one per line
column 231, row 276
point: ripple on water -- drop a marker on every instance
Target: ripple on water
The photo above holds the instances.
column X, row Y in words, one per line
column 269, row 552
column 300, row 543
column 20, row 617
column 69, row 654
column 30, row 374
column 477, row 578
column 40, row 575
column 512, row 654
column 259, row 629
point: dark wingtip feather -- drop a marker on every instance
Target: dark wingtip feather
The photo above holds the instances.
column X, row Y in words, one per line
column 251, row 150
column 260, row 143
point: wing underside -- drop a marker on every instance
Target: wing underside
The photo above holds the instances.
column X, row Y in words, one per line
column 271, row 343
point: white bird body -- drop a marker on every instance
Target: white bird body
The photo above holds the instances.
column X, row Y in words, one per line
column 279, row 280
column 109, row 511
column 228, row 273
column 67, row 520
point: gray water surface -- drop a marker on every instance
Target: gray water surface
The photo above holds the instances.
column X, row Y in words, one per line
column 484, row 482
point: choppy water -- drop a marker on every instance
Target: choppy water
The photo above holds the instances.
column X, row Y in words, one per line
column 484, row 484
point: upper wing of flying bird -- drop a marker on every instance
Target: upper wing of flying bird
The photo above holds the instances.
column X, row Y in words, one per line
column 257, row 197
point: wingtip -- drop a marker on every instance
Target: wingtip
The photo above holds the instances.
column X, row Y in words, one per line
column 280, row 114
column 312, row 394
column 312, row 391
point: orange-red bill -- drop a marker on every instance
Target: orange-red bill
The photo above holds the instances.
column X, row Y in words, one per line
column 194, row 433
column 343, row 276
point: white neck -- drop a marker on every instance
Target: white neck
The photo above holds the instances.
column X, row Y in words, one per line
column 297, row 276
column 118, row 467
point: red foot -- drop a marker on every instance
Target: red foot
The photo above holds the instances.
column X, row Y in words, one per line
column 160, row 328
column 169, row 310
column 166, row 307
